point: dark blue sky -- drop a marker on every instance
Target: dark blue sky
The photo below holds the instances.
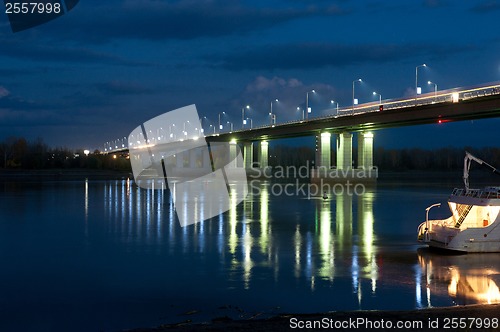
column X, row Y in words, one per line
column 97, row 72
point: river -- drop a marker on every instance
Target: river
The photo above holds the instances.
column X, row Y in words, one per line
column 90, row 255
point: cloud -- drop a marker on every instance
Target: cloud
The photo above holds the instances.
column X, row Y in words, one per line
column 3, row 92
column 316, row 55
column 435, row 3
column 42, row 52
column 291, row 93
column 486, row 7
column 176, row 20
column 119, row 88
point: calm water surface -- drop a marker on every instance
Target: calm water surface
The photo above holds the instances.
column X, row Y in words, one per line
column 106, row 255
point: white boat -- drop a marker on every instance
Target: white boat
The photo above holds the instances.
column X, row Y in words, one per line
column 474, row 224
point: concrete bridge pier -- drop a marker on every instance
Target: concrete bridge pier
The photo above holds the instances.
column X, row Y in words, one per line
column 323, row 151
column 248, row 155
column 344, row 151
column 233, row 152
column 264, row 154
column 179, row 159
column 344, row 170
column 365, row 150
column 193, row 154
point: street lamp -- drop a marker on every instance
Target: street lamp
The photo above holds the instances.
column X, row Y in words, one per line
column 243, row 119
column 435, row 88
column 307, row 102
column 354, row 101
column 231, row 126
column 303, row 113
column 251, row 122
column 201, row 122
column 335, row 102
column 379, row 96
column 271, row 113
column 416, row 79
column 220, row 124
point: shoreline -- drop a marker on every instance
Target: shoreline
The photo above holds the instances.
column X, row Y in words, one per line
column 61, row 174
column 436, row 318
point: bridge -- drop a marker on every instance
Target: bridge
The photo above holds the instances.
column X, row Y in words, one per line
column 456, row 104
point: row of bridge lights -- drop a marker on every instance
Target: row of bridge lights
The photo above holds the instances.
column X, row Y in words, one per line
column 272, row 116
column 305, row 112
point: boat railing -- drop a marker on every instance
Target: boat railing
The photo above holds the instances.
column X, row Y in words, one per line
column 478, row 193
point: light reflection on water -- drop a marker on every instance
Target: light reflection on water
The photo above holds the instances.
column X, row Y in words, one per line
column 298, row 254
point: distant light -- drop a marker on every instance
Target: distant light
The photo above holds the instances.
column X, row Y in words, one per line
column 313, row 91
column 114, row 156
column 440, row 121
column 86, row 152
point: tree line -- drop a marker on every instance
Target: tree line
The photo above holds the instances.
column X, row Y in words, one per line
column 19, row 153
column 440, row 159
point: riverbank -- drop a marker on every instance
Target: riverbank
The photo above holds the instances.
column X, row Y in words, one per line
column 61, row 175
column 459, row 318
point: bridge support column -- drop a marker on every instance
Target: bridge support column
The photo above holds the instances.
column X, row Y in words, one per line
column 205, row 158
column 248, row 154
column 179, row 162
column 192, row 158
column 233, row 152
column 365, row 150
column 344, row 151
column 264, row 154
column 324, row 150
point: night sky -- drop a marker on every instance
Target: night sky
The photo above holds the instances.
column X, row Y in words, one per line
column 105, row 67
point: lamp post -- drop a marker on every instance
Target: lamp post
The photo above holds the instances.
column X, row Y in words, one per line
column 416, row 79
column 251, row 122
column 243, row 119
column 379, row 97
column 271, row 113
column 230, row 126
column 303, row 114
column 353, row 100
column 201, row 122
column 307, row 103
column 435, row 88
column 335, row 102
column 220, row 124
